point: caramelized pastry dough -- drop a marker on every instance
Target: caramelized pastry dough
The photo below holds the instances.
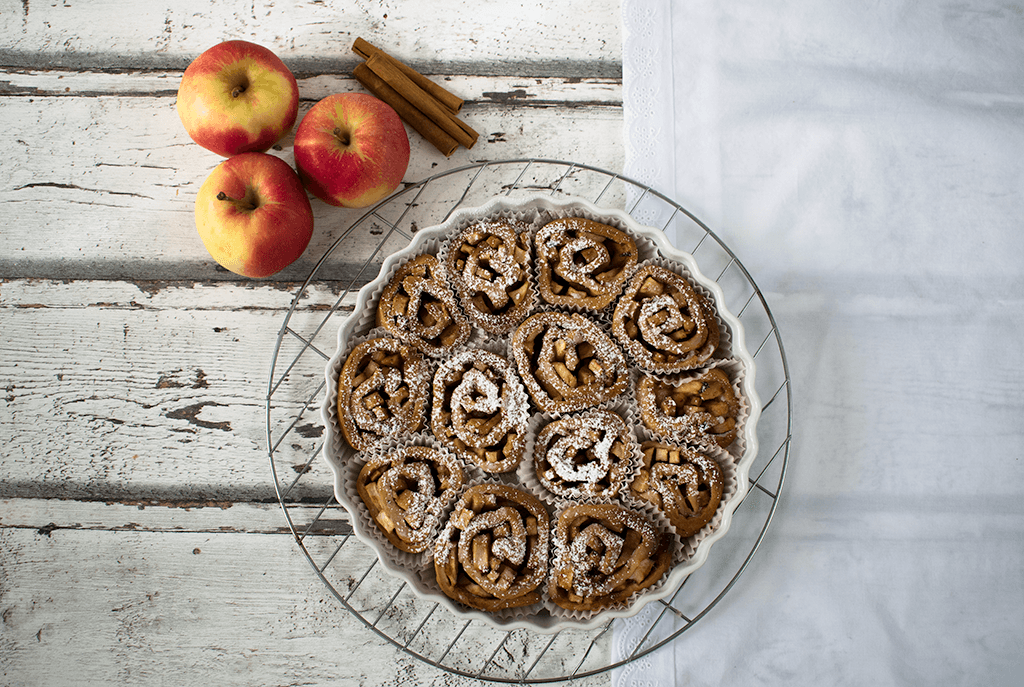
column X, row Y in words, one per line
column 662, row 323
column 489, row 265
column 604, row 554
column 702, row 410
column 406, row 492
column 567, row 362
column 382, row 392
column 684, row 484
column 419, row 307
column 480, row 410
column 582, row 263
column 584, row 456
column 493, row 553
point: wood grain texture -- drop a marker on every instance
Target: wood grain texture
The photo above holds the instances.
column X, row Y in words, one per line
column 573, row 38
column 173, row 601
column 119, row 390
column 141, row 539
column 102, row 179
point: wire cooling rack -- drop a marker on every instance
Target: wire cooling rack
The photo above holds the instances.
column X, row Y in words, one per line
column 320, row 525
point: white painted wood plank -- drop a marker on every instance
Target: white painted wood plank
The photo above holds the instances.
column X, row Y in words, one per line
column 88, row 177
column 101, row 607
column 533, row 37
column 156, row 391
column 46, row 515
column 476, row 90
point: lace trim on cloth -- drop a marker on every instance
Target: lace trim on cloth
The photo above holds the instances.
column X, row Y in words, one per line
column 647, row 97
column 649, row 133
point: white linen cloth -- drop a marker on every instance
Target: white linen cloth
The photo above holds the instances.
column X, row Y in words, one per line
column 865, row 161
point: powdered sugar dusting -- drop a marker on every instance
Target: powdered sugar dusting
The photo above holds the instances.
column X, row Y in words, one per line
column 567, row 362
column 584, row 456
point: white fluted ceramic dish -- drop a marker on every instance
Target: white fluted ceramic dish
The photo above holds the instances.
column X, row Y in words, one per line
column 337, row 451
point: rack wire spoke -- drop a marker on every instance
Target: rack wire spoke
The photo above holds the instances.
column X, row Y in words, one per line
column 316, row 518
column 593, row 643
column 288, row 401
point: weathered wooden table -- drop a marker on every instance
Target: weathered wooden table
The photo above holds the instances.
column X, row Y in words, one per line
column 141, row 537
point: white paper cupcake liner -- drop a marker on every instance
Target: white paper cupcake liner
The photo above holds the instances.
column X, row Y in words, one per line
column 527, row 472
column 370, row 528
column 726, row 462
column 483, row 324
column 639, row 597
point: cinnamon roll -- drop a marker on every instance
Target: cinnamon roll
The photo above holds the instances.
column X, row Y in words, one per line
column 419, row 307
column 604, row 554
column 683, row 483
column 406, row 491
column 582, row 263
column 489, row 265
column 493, row 553
column 480, row 410
column 382, row 392
column 662, row 323
column 701, row 410
column 567, row 362
column 584, row 456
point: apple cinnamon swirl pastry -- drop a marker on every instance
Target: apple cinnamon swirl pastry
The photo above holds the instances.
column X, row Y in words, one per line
column 584, row 456
column 493, row 552
column 604, row 554
column 701, row 410
column 567, row 362
column 684, row 484
column 662, row 323
column 489, row 264
column 406, row 492
column 419, row 307
column 582, row 263
column 382, row 392
column 480, row 410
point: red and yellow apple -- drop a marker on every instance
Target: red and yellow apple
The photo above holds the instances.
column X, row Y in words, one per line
column 237, row 97
column 253, row 214
column 351, row 150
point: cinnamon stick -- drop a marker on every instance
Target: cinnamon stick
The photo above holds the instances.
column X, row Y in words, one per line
column 446, row 98
column 421, row 100
column 416, row 119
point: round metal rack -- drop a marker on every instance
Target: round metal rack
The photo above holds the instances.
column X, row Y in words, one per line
column 385, row 604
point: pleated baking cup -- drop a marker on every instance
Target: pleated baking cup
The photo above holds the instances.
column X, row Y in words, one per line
column 336, row 446
column 518, row 615
column 495, row 326
column 369, row 316
column 634, row 602
column 577, row 405
column 528, row 474
column 730, row 488
column 516, row 408
column 736, row 373
column 550, row 214
column 370, row 529
column 721, row 351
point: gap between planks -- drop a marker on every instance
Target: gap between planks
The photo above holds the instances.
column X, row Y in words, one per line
column 50, row 515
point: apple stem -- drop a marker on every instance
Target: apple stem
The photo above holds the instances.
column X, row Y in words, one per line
column 343, row 137
column 246, row 204
column 237, row 91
